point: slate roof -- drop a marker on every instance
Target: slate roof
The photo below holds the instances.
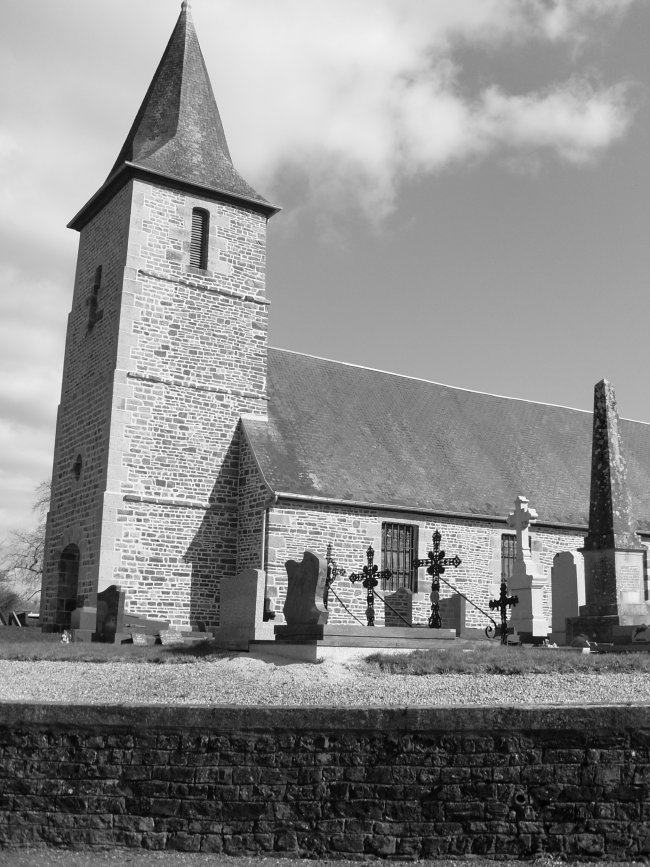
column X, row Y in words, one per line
column 347, row 433
column 177, row 134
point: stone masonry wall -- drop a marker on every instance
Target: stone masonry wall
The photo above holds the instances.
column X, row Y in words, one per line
column 84, row 411
column 310, row 782
column 254, row 498
column 190, row 359
column 293, row 527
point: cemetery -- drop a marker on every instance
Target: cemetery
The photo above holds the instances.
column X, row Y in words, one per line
column 218, row 503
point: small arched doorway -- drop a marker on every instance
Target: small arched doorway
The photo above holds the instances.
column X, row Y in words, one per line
column 68, row 587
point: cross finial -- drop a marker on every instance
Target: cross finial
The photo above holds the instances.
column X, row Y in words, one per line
column 520, row 519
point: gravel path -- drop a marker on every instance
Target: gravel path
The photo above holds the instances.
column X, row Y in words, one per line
column 245, row 680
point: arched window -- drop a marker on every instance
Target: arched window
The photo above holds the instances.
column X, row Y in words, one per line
column 68, row 587
column 199, row 239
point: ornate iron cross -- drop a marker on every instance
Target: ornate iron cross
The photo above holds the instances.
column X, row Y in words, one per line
column 436, row 562
column 503, row 603
column 333, row 570
column 370, row 576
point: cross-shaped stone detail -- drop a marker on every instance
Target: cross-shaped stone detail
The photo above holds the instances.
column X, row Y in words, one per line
column 520, row 519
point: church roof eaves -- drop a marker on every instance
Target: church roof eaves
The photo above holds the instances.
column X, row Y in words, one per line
column 128, row 171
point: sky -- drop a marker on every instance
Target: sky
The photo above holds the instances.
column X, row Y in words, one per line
column 465, row 187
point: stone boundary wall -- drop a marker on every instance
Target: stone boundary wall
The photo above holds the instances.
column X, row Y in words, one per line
column 338, row 782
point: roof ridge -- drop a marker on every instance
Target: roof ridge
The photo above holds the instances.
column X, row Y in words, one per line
column 441, row 384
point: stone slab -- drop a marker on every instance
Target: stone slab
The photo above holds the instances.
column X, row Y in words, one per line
column 316, row 652
column 84, row 619
column 82, row 635
column 386, row 631
column 357, row 636
column 613, row 628
column 134, row 623
column 234, row 638
column 170, row 637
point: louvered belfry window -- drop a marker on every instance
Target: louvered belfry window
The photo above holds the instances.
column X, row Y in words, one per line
column 199, row 239
column 399, row 546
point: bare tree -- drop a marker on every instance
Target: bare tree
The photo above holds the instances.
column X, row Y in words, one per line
column 21, row 556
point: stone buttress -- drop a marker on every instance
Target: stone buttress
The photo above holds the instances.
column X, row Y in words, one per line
column 165, row 351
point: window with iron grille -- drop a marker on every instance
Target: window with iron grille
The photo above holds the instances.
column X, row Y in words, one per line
column 508, row 554
column 199, row 238
column 399, row 547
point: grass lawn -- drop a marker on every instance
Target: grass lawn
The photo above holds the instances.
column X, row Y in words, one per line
column 480, row 657
column 494, row 658
column 55, row 651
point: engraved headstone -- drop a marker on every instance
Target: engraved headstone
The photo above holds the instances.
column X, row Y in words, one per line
column 399, row 607
column 170, row 637
column 139, row 638
column 110, row 613
column 567, row 591
column 305, row 590
column 242, row 610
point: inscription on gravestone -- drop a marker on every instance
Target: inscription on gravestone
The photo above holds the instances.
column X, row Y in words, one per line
column 171, row 636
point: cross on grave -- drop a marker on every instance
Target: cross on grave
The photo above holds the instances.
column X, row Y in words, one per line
column 436, row 562
column 370, row 576
column 520, row 520
column 503, row 603
column 333, row 571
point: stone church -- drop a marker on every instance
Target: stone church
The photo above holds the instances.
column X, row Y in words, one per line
column 187, row 450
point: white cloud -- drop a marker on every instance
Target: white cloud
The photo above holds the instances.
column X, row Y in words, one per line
column 360, row 96
column 350, row 97
column 574, row 120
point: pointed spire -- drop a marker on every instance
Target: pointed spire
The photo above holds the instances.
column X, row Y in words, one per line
column 177, row 133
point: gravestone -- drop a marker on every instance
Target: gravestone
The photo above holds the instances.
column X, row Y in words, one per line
column 527, row 582
column 110, row 615
column 304, row 609
column 615, row 592
column 402, row 603
column 305, row 591
column 139, row 638
column 83, row 623
column 241, row 611
column 567, row 591
column 452, row 613
column 170, row 637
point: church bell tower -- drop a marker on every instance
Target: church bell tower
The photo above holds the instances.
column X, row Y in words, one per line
column 165, row 350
